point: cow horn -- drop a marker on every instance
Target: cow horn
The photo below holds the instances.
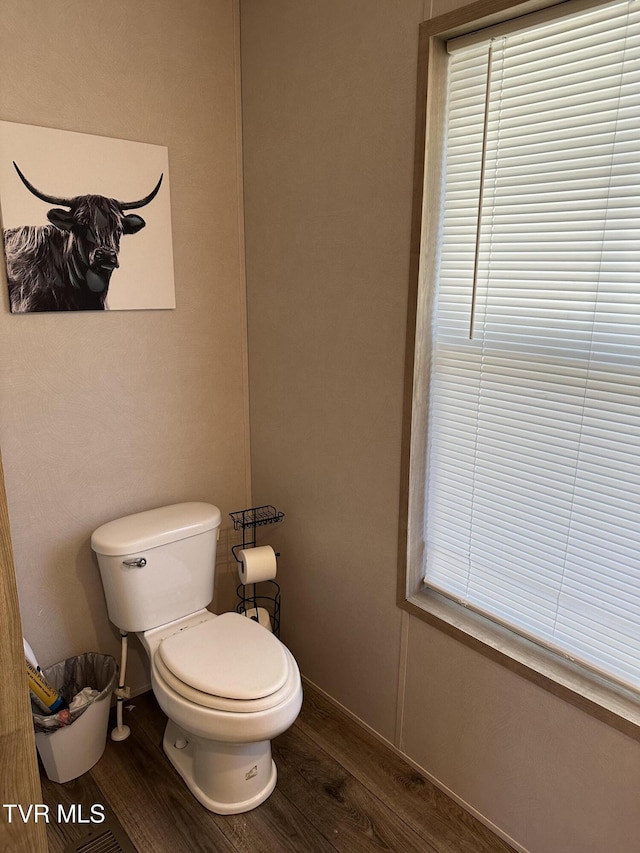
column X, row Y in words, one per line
column 50, row 199
column 67, row 202
column 131, row 205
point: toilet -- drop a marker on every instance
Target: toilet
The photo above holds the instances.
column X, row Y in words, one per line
column 226, row 683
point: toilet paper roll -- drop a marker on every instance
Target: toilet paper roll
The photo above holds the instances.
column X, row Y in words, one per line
column 260, row 615
column 257, row 564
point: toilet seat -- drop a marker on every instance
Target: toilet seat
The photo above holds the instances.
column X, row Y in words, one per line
column 228, row 663
column 221, row 703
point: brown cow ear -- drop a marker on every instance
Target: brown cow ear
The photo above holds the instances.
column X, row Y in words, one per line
column 132, row 223
column 62, row 219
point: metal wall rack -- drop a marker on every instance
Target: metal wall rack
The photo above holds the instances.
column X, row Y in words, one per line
column 266, row 594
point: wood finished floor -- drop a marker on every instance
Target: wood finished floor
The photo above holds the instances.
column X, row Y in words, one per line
column 339, row 789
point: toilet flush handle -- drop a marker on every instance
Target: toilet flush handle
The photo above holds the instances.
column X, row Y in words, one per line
column 140, row 563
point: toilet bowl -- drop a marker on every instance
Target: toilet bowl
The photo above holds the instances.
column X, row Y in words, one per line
column 226, row 683
column 219, row 743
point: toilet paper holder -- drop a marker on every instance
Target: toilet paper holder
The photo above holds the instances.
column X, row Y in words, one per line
column 259, row 601
column 249, row 519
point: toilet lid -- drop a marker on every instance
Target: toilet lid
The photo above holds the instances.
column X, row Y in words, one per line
column 229, row 656
column 169, row 681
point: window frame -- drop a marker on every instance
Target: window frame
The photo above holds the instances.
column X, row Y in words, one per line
column 601, row 698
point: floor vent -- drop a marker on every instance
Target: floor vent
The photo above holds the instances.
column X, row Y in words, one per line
column 109, row 838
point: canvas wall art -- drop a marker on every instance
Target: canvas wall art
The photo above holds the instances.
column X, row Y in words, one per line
column 86, row 221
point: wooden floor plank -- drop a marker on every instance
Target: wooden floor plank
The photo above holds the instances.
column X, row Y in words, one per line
column 277, row 825
column 156, row 809
column 273, row 827
column 81, row 792
column 439, row 820
column 339, row 789
column 342, row 809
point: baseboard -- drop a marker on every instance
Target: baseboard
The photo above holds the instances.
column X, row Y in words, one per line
column 138, row 691
column 419, row 769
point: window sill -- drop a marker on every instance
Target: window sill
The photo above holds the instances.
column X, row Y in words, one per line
column 605, row 700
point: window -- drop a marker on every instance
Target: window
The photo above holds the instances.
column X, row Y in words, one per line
column 525, row 462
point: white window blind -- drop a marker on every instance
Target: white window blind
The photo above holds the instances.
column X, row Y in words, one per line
column 533, row 472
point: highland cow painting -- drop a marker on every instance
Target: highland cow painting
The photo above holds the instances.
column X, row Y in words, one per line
column 86, row 221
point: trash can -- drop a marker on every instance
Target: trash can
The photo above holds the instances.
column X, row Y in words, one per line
column 71, row 742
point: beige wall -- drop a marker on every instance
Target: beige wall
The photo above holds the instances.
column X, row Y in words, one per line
column 328, row 114
column 328, row 103
column 105, row 414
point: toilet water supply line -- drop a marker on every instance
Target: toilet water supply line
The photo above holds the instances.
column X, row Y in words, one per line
column 121, row 732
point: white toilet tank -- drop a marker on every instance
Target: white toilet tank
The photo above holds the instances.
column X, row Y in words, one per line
column 159, row 565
